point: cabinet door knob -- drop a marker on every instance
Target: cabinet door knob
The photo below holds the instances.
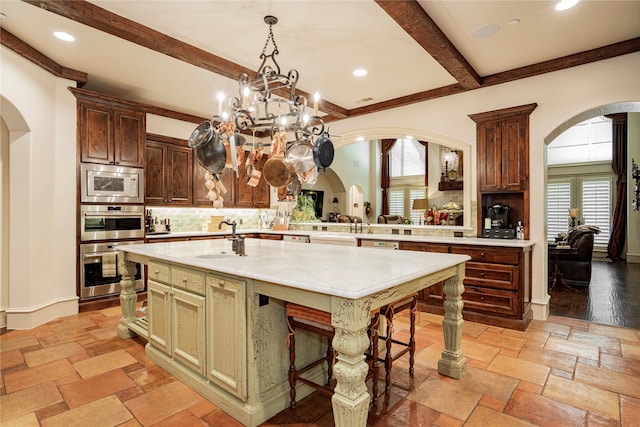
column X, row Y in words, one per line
column 156, row 272
column 482, row 254
column 481, row 274
column 184, row 280
column 221, row 283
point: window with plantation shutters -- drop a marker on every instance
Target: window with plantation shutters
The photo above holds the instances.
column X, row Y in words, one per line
column 396, row 202
column 596, row 207
column 558, row 204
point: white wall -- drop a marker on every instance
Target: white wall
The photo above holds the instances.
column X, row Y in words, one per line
column 40, row 114
column 559, row 95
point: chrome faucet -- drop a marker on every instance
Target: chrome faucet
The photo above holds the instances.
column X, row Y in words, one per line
column 237, row 242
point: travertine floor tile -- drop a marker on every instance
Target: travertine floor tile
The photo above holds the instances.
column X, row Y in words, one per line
column 583, row 396
column 629, row 410
column 608, row 380
column 27, row 420
column 106, row 412
column 488, row 383
column 12, row 358
column 502, row 341
column 540, row 410
column 447, row 397
column 483, row 417
column 620, row 364
column 534, row 337
column 571, row 347
column 81, row 392
column 162, row 402
column 29, row 377
column 612, row 331
column 22, row 402
column 51, row 354
column 518, row 368
column 18, row 343
column 630, row 351
column 550, row 358
column 607, row 344
column 103, row 363
column 553, row 328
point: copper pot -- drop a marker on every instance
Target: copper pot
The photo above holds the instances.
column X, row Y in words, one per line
column 278, row 171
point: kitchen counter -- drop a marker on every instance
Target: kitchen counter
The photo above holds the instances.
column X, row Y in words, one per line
column 513, row 243
column 358, row 281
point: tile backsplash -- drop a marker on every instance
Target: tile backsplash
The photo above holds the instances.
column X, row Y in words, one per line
column 191, row 219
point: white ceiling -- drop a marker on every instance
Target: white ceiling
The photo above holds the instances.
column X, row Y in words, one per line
column 324, row 40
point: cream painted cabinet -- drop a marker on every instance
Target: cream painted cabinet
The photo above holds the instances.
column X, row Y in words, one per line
column 187, row 334
column 226, row 334
column 176, row 316
column 159, row 318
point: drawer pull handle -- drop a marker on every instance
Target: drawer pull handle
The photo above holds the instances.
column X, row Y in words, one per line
column 221, row 283
column 184, row 279
column 156, row 272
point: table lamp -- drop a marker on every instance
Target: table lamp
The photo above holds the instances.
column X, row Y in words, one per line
column 419, row 205
column 573, row 213
column 335, row 206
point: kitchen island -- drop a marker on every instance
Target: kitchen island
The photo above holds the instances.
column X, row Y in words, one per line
column 217, row 321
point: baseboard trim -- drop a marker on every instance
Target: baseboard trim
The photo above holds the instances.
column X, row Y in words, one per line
column 633, row 258
column 30, row 317
column 540, row 308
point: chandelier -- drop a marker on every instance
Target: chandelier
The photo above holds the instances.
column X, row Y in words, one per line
column 268, row 104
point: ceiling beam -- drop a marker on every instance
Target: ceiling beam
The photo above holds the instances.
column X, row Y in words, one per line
column 40, row 59
column 419, row 25
column 93, row 16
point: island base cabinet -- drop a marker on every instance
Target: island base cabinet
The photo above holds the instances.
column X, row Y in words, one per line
column 188, row 336
column 159, row 317
column 176, row 324
column 226, row 334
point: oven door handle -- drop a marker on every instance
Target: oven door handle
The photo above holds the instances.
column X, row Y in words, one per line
column 112, row 214
column 97, row 256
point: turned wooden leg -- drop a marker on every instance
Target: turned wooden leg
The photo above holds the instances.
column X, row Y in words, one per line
column 375, row 367
column 128, row 296
column 388, row 360
column 452, row 362
column 292, row 363
column 412, row 332
column 330, row 355
column 350, row 401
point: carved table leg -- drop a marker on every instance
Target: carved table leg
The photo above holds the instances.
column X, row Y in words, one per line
column 452, row 363
column 128, row 296
column 350, row 399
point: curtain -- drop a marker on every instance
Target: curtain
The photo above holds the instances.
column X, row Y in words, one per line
column 619, row 166
column 425, row 144
column 386, row 146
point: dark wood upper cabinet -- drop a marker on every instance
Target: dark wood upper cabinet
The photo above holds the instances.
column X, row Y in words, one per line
column 168, row 174
column 109, row 135
column 252, row 197
column 200, row 190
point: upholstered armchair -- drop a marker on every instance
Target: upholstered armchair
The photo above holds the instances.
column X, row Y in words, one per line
column 576, row 268
column 349, row 219
column 390, row 219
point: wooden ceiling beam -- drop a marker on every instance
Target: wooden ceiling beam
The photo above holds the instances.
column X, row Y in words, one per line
column 93, row 16
column 419, row 25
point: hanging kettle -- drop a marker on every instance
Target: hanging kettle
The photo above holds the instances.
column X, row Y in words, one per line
column 208, row 148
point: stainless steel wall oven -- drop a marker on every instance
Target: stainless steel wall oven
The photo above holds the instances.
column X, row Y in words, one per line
column 99, row 275
column 110, row 222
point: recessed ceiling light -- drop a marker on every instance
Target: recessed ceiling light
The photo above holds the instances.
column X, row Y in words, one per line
column 514, row 22
column 408, row 137
column 360, row 139
column 360, row 72
column 566, row 4
column 486, row 31
column 64, row 36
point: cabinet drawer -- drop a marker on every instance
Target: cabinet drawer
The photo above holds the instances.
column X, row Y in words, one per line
column 488, row 254
column 496, row 276
column 158, row 272
column 425, row 247
column 187, row 279
column 491, row 301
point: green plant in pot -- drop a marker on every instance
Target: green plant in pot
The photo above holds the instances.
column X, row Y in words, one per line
column 304, row 210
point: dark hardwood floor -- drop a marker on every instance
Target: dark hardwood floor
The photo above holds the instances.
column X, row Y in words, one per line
column 612, row 298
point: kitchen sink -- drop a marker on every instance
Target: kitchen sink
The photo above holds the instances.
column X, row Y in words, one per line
column 343, row 239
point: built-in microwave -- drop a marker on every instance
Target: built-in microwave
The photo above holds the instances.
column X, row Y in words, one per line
column 111, row 184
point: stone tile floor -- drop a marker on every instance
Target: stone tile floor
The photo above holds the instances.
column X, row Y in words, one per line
column 75, row 371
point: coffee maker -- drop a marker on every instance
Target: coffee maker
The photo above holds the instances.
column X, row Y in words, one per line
column 497, row 223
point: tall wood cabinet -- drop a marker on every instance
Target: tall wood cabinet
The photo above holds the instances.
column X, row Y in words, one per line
column 109, row 131
column 503, row 162
column 168, row 173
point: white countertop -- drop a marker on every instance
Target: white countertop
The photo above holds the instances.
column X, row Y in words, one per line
column 349, row 272
column 510, row 243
